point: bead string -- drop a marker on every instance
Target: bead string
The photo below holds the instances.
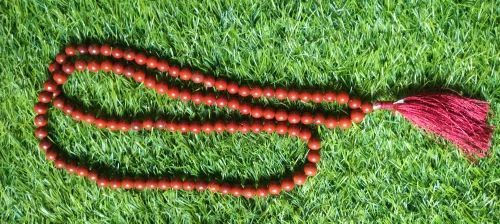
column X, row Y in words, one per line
column 265, row 119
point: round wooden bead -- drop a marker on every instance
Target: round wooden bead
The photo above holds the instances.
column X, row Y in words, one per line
column 274, row 188
column 287, row 184
column 314, row 144
column 342, row 98
column 105, row 50
column 366, row 107
column 357, row 116
column 345, row 123
column 354, row 103
column 45, row 96
column 310, row 169
column 248, row 192
column 313, row 156
column 45, row 144
column 293, row 95
column 70, row 50
column 41, row 108
column 41, row 120
column 299, row 178
column 94, row 49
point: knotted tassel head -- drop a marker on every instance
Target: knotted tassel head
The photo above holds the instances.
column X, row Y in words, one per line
column 458, row 119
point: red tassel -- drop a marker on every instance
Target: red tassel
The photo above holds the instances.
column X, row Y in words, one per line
column 460, row 120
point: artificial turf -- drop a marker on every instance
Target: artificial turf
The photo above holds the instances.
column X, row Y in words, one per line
column 383, row 170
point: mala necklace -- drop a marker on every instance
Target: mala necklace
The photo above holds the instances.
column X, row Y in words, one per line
column 460, row 120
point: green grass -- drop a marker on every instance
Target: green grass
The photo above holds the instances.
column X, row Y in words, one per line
column 383, row 170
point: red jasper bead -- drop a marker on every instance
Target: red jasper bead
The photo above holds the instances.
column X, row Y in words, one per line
column 262, row 192
column 200, row 185
column 268, row 92
column 197, row 77
column 139, row 184
column 294, row 117
column 244, row 91
column 105, row 50
column 117, row 53
column 100, row 123
column 329, row 97
column 310, row 169
column 41, row 120
column 41, row 108
column 256, row 127
column 318, row 119
column 50, row 155
column 59, row 163
column 287, row 184
column 106, row 65
column 139, row 76
column 213, row 186
column 248, row 192
column 89, row 118
column 77, row 115
column 305, row 96
column 68, row 108
column 209, row 99
column 60, row 78
column 330, row 122
column 366, row 107
column 118, row 68
column 274, row 188
column 115, row 184
column 305, row 134
column 281, row 115
column 280, row 94
column 345, row 123
column 233, row 104
column 245, row 108
column 59, row 102
column 136, row 125
column 354, row 103
column 150, row 81
column 93, row 66
column 94, row 49
column 342, row 98
column 53, row 67
column 299, row 178
column 306, row 118
column 60, row 58
column 293, row 95
column 293, row 130
column 269, row 127
column 164, row 184
column 221, row 102
column 161, row 88
column 82, row 171
column 232, row 88
column 148, row 124
column 45, row 144
column 129, row 55
column 80, row 65
column 357, row 116
column 313, row 156
column 256, row 92
column 127, row 183
column 82, row 49
column 140, row 58
column 231, row 127
column 317, row 97
column 92, row 175
column 244, row 127
column 314, row 144
column 152, row 62
column 187, row 185
column 256, row 112
column 220, row 84
column 176, row 184
column 236, row 191
column 162, row 66
column 268, row 113
column 70, row 50
column 185, row 74
column 152, row 184
column 173, row 71
column 225, row 189
column 123, row 126
column 45, row 97
column 281, row 128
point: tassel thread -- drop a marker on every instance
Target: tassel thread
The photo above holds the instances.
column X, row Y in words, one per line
column 460, row 120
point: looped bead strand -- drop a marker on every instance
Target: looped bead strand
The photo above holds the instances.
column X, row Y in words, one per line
column 267, row 119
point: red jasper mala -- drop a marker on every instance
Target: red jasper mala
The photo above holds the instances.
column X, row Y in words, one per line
column 133, row 64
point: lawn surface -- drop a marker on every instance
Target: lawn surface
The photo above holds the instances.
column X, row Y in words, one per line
column 382, row 170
